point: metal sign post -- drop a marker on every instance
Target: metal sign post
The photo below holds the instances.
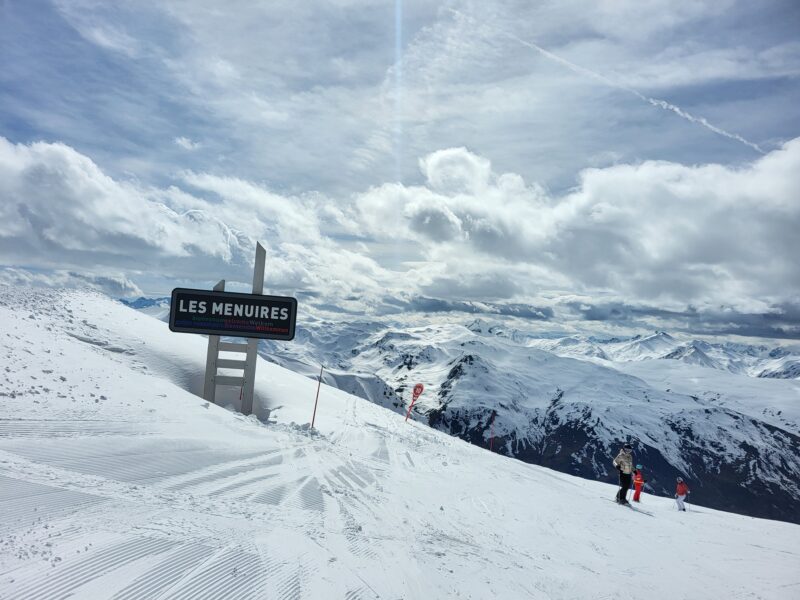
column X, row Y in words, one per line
column 252, row 344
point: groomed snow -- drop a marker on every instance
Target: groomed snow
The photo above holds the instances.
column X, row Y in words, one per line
column 117, row 482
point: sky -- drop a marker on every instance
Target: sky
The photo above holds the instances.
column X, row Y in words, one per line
column 629, row 162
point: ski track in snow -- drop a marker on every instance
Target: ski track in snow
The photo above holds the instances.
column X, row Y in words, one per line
column 116, row 483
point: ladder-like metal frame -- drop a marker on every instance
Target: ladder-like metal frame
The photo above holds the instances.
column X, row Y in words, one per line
column 213, row 362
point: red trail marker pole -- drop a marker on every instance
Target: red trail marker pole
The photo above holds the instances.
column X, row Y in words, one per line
column 319, row 383
column 416, row 394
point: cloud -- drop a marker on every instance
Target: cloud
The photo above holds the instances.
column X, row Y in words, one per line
column 89, row 21
column 122, row 82
column 663, row 104
column 186, row 143
column 472, row 285
column 780, row 320
column 438, row 305
column 60, row 211
column 655, row 231
column 116, row 285
column 60, row 208
column 455, row 171
column 710, row 246
column 434, row 220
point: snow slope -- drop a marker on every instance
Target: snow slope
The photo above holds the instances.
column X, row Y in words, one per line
column 562, row 402
column 119, row 483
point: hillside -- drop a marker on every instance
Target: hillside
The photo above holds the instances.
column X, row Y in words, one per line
column 688, row 407
column 119, row 483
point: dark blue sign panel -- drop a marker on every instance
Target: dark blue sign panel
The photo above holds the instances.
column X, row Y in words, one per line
column 232, row 314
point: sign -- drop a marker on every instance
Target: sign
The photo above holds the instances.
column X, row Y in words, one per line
column 232, row 314
column 414, row 395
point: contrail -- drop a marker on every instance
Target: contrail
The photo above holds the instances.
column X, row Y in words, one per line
column 606, row 81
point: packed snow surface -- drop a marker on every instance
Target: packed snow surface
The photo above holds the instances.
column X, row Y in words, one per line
column 116, row 481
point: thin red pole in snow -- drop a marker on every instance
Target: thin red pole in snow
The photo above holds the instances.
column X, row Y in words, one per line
column 491, row 439
column 319, row 383
column 410, row 406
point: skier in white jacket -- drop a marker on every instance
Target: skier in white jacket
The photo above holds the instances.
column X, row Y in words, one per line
column 624, row 464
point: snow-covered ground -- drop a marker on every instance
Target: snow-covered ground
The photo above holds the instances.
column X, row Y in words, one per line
column 117, row 482
column 689, row 407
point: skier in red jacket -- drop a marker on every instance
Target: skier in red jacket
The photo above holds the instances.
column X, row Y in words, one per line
column 681, row 491
column 638, row 483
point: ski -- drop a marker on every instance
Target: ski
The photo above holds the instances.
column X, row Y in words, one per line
column 634, row 508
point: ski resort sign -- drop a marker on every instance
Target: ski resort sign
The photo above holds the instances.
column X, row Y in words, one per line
column 232, row 314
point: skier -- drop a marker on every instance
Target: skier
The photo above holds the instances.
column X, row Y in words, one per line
column 681, row 491
column 638, row 483
column 624, row 465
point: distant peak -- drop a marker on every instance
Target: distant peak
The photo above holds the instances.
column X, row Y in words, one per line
column 143, row 302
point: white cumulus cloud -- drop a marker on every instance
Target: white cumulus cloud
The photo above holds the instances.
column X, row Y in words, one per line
column 655, row 231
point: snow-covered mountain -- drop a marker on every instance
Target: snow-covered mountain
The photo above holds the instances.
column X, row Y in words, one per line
column 155, row 307
column 118, row 482
column 784, row 367
column 656, row 345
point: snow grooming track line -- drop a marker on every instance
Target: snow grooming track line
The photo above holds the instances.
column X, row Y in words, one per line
column 357, row 542
column 382, row 453
column 292, row 498
column 273, row 495
column 12, row 488
column 159, row 464
column 345, row 473
column 241, row 483
column 361, row 472
column 290, row 586
column 62, row 581
column 311, row 497
column 153, row 469
column 23, row 502
column 25, row 428
column 340, row 479
column 166, row 573
column 91, row 448
column 213, row 475
column 286, row 585
column 234, row 575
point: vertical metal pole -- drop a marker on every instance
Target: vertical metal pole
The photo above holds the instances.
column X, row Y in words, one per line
column 252, row 344
column 210, row 385
column 319, row 383
column 491, row 439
